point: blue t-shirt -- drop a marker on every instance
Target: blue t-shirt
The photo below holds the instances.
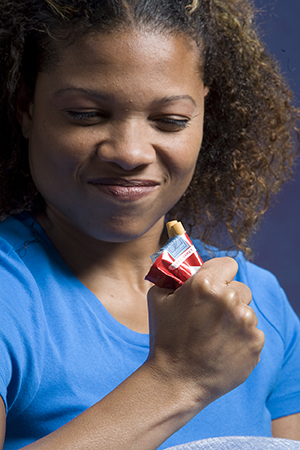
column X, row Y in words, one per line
column 61, row 351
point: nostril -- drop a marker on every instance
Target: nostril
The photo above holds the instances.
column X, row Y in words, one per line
column 127, row 154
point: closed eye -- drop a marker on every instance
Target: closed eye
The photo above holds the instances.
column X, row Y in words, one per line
column 169, row 124
column 86, row 117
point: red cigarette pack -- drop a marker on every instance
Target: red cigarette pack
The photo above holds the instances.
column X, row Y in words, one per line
column 176, row 261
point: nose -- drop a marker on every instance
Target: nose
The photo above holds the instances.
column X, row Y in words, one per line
column 128, row 146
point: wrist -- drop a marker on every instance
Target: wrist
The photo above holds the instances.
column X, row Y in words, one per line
column 185, row 396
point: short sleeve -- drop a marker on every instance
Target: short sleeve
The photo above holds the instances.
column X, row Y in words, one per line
column 21, row 339
column 285, row 399
column 276, row 315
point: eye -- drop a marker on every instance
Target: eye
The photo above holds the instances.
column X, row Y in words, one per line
column 170, row 124
column 86, row 117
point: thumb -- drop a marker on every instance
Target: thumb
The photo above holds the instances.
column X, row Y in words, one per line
column 157, row 294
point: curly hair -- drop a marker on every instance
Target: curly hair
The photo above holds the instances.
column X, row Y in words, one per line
column 250, row 123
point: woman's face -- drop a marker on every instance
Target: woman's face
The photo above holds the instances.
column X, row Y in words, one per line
column 115, row 130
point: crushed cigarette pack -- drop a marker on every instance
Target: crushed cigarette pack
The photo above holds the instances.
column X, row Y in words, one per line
column 176, row 261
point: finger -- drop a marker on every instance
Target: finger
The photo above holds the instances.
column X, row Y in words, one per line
column 158, row 294
column 237, row 297
column 158, row 300
column 248, row 317
column 242, row 290
column 218, row 270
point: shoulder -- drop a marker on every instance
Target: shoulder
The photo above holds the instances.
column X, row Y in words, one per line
column 25, row 244
column 15, row 237
column 268, row 298
column 22, row 321
column 19, row 292
column 22, row 311
column 248, row 272
column 16, row 230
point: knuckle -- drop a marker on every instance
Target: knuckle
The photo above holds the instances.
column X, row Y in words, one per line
column 246, row 295
column 244, row 318
column 248, row 317
column 204, row 284
column 231, row 298
column 231, row 305
column 256, row 344
column 258, row 341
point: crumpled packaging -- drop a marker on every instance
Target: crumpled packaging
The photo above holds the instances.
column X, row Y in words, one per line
column 176, row 261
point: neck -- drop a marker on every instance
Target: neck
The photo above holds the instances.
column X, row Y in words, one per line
column 86, row 255
column 114, row 272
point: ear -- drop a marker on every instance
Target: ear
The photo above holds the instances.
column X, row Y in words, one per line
column 24, row 109
column 206, row 90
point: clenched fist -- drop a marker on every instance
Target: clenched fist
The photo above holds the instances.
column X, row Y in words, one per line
column 204, row 335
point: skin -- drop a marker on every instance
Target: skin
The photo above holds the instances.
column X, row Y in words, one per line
column 131, row 99
column 131, row 85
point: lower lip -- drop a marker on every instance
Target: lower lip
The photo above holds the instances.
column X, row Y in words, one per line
column 125, row 193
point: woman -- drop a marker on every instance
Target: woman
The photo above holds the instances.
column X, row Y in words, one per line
column 102, row 122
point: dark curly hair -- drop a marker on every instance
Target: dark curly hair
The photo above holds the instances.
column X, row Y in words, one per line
column 250, row 132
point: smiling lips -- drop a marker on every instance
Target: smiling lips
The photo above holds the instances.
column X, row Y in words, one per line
column 126, row 190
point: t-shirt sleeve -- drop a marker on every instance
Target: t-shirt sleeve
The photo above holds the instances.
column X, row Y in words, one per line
column 285, row 399
column 275, row 312
column 21, row 338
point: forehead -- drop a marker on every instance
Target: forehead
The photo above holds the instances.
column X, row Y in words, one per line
column 134, row 70
column 150, row 52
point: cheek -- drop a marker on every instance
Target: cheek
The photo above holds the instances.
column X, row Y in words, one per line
column 184, row 158
column 53, row 160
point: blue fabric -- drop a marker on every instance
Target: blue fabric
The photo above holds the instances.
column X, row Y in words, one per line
column 61, row 351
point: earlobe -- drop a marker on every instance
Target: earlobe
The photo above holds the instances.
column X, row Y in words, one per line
column 24, row 109
column 206, row 90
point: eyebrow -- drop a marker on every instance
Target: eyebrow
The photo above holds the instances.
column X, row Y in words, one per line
column 110, row 98
column 90, row 92
column 174, row 98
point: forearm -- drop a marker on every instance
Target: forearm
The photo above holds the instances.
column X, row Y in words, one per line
column 141, row 413
column 287, row 427
column 203, row 343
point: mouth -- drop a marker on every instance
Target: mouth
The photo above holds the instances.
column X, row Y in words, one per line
column 123, row 189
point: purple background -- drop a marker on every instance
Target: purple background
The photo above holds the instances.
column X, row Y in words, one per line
column 277, row 243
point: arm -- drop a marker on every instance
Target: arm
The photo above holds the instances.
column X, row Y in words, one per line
column 138, row 407
column 2, row 422
column 287, row 427
column 199, row 334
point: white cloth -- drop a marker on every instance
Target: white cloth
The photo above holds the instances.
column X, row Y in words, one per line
column 240, row 442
